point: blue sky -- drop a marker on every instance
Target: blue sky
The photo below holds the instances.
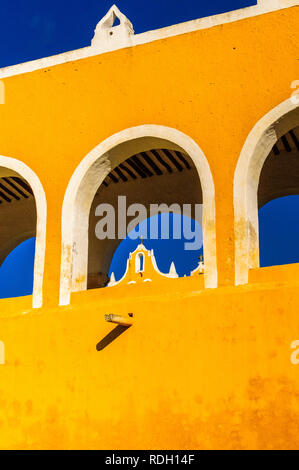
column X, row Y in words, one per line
column 279, row 231
column 33, row 29
column 16, row 272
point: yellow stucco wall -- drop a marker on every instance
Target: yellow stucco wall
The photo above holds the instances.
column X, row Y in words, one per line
column 199, row 368
column 207, row 369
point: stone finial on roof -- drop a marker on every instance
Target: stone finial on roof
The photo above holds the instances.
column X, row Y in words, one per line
column 172, row 271
column 112, row 281
column 106, row 31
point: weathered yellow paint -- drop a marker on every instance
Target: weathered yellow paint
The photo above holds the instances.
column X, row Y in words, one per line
column 286, row 274
column 199, row 368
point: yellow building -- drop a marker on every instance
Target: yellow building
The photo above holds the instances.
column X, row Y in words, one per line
column 210, row 361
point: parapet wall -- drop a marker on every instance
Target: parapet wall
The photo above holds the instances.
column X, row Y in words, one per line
column 197, row 369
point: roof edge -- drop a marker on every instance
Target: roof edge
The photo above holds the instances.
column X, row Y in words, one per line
column 263, row 6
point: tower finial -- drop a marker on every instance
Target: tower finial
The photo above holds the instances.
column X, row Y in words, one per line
column 112, row 281
column 172, row 271
column 106, row 31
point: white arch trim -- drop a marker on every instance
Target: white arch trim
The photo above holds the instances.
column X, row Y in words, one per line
column 41, row 212
column 256, row 149
column 84, row 183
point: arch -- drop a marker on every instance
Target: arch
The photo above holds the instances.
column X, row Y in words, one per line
column 139, row 262
column 256, row 149
column 13, row 166
column 92, row 171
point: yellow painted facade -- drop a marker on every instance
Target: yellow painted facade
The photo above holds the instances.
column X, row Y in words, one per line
column 199, row 368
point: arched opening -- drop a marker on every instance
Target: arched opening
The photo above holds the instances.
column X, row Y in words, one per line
column 143, row 165
column 139, row 263
column 268, row 168
column 22, row 217
column 159, row 180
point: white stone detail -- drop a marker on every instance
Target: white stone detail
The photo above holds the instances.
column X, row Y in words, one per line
column 107, row 32
column 112, row 281
column 172, row 271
